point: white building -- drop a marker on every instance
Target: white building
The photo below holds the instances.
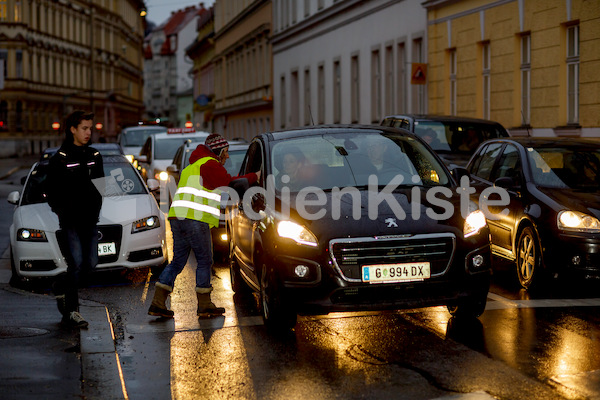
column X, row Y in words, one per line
column 346, row 61
column 167, row 69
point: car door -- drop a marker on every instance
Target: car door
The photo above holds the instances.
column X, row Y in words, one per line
column 499, row 160
column 244, row 227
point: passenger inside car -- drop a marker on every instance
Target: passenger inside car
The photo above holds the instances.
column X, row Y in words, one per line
column 290, row 162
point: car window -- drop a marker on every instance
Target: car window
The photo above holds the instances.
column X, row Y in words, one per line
column 509, row 165
column 137, row 137
column 483, row 166
column 34, row 191
column 253, row 161
column 165, row 148
column 456, row 136
column 341, row 160
column 233, row 164
column 178, row 156
column 565, row 167
column 146, row 150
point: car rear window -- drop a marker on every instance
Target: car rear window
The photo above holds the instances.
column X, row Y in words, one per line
column 456, row 137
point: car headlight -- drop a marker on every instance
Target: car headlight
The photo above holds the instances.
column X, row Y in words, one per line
column 298, row 233
column 578, row 221
column 145, row 224
column 161, row 176
column 129, row 158
column 31, row 235
column 474, row 222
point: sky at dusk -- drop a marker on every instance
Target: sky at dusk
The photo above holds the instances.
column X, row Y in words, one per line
column 160, row 10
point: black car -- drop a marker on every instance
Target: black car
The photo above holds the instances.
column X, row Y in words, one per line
column 454, row 138
column 106, row 149
column 311, row 239
column 551, row 222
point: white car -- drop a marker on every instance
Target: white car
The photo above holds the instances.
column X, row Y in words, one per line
column 131, row 229
column 133, row 138
column 158, row 151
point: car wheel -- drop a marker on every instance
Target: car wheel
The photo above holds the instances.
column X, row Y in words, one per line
column 528, row 258
column 15, row 279
column 277, row 314
column 468, row 307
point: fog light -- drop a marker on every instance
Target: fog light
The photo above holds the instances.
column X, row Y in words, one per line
column 301, row 271
column 576, row 260
column 154, row 252
column 478, row 261
column 27, row 265
column 224, row 237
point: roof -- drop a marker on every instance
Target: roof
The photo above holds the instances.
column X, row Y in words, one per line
column 538, row 141
column 446, row 118
column 316, row 130
column 179, row 19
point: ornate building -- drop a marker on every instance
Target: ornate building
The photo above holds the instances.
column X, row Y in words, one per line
column 57, row 56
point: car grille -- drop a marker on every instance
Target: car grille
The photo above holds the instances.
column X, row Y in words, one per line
column 349, row 255
column 107, row 234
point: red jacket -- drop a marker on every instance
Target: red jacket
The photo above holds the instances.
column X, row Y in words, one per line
column 213, row 174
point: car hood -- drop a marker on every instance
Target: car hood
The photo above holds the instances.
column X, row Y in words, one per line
column 115, row 210
column 572, row 199
column 329, row 225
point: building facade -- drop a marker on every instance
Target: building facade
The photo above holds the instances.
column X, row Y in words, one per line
column 57, row 56
column 243, row 68
column 167, row 79
column 530, row 65
column 201, row 52
column 346, row 61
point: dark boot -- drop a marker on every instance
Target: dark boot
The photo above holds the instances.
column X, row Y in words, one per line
column 158, row 308
column 206, row 308
column 61, row 303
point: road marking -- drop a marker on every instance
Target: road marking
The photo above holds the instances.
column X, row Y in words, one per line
column 500, row 302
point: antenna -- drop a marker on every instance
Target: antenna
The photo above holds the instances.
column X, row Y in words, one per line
column 310, row 112
column 523, row 115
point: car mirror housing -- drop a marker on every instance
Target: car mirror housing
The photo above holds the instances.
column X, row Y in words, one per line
column 240, row 186
column 153, row 184
column 142, row 158
column 459, row 172
column 13, row 197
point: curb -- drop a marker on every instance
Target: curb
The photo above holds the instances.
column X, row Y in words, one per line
column 101, row 368
column 10, row 172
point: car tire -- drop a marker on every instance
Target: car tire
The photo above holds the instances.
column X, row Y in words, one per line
column 528, row 260
column 278, row 315
column 468, row 307
column 15, row 279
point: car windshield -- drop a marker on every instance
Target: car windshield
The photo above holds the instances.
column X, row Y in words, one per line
column 166, row 148
column 565, row 167
column 350, row 159
column 120, row 180
column 137, row 137
column 233, row 164
column 456, row 137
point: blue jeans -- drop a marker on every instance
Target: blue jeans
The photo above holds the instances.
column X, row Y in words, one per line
column 189, row 235
column 79, row 246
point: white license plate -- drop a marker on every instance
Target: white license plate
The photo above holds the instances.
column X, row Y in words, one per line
column 389, row 273
column 105, row 249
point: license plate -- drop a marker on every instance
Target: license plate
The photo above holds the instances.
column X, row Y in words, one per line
column 389, row 273
column 105, row 249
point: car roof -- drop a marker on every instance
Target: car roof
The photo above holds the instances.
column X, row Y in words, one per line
column 538, row 141
column 103, row 148
column 317, row 130
column 191, row 135
column 441, row 118
column 145, row 128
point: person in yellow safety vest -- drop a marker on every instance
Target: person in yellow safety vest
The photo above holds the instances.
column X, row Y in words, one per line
column 194, row 210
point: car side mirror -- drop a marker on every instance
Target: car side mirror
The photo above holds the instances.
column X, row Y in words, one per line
column 459, row 172
column 258, row 203
column 13, row 197
column 505, row 182
column 153, row 184
column 172, row 168
column 240, row 186
column 142, row 158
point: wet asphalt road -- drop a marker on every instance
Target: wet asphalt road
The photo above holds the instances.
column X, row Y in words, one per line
column 527, row 345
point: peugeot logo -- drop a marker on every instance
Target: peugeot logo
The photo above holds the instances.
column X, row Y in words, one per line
column 100, row 235
column 391, row 222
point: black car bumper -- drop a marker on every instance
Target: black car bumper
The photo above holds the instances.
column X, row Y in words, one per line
column 573, row 253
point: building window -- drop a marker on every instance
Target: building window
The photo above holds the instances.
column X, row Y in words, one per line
column 3, row 67
column 355, row 89
column 486, row 58
column 321, row 4
column 294, row 96
column 19, row 64
column 3, row 11
column 283, row 104
column 389, row 80
column 321, row 94
column 19, row 116
column 337, row 92
column 307, row 111
column 18, row 16
column 3, row 116
column 306, row 8
column 401, row 80
column 525, row 79
column 573, row 74
column 375, row 87
column 452, row 79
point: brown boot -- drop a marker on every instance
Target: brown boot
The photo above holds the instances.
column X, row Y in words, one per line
column 206, row 308
column 158, row 308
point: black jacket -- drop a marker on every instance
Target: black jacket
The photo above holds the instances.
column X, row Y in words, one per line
column 71, row 192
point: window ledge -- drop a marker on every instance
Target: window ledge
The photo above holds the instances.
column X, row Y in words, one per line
column 568, row 130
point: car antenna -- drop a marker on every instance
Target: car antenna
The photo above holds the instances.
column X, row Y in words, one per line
column 523, row 115
column 311, row 118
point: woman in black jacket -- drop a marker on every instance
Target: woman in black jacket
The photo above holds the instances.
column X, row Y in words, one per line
column 75, row 199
